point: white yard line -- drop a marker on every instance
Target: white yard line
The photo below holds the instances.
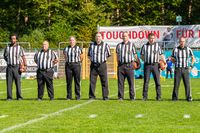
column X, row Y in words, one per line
column 52, row 114
column 3, row 116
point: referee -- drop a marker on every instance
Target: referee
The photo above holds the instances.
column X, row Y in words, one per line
column 98, row 53
column 73, row 57
column 151, row 53
column 126, row 54
column 181, row 56
column 45, row 60
column 12, row 55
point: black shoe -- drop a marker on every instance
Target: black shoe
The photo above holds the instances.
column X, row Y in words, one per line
column 174, row 99
column 51, row 99
column 78, row 98
column 158, row 99
column 91, row 98
column 144, row 99
column 39, row 99
column 19, row 99
column 120, row 99
column 132, row 99
column 105, row 99
column 68, row 99
column 9, row 99
column 189, row 100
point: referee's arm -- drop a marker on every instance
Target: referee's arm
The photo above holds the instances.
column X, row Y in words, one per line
column 193, row 60
column 55, row 61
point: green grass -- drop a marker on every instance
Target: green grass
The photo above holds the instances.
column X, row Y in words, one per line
column 112, row 116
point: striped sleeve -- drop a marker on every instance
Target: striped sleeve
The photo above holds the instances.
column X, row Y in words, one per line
column 80, row 50
column 117, row 48
column 89, row 50
column 64, row 50
column 55, row 55
column 21, row 51
column 108, row 50
column 133, row 48
column 173, row 53
column 160, row 50
column 5, row 55
column 35, row 57
column 142, row 50
column 191, row 53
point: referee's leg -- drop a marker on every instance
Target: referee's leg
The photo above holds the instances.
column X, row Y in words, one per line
column 186, row 81
column 177, row 80
column 147, row 72
column 121, row 78
column 49, row 82
column 9, row 81
column 104, row 80
column 77, row 79
column 93, row 80
column 69, row 77
column 156, row 76
column 40, row 82
column 17, row 78
column 130, row 78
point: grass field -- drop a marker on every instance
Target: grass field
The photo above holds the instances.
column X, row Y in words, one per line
column 98, row 116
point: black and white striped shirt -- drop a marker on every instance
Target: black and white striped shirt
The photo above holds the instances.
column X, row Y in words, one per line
column 125, row 52
column 98, row 53
column 44, row 59
column 151, row 53
column 182, row 56
column 13, row 54
column 72, row 54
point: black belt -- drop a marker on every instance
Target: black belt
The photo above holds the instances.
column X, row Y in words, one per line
column 151, row 64
column 45, row 69
column 129, row 63
column 95, row 64
column 72, row 63
column 9, row 65
column 181, row 67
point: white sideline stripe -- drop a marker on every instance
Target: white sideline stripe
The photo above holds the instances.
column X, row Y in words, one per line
column 2, row 92
column 139, row 116
column 51, row 114
column 186, row 116
column 3, row 116
column 93, row 116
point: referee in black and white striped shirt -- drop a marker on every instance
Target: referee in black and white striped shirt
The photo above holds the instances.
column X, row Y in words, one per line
column 98, row 53
column 151, row 54
column 126, row 54
column 45, row 60
column 12, row 55
column 181, row 56
column 73, row 57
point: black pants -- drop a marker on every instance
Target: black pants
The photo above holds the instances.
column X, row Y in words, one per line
column 181, row 73
column 73, row 70
column 12, row 74
column 154, row 69
column 45, row 77
column 100, row 70
column 167, row 72
column 125, row 70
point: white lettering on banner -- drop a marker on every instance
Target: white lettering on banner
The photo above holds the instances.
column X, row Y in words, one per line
column 139, row 34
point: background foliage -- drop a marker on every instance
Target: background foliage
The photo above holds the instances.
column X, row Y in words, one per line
column 56, row 20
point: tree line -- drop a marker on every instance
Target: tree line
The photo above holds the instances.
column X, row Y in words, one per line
column 55, row 20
